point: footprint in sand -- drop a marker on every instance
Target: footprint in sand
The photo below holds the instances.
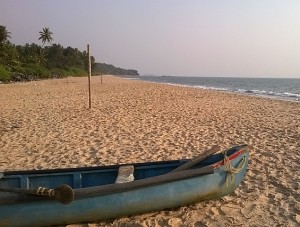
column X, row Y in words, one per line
column 248, row 209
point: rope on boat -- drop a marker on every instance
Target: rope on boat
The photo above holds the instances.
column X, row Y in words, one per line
column 232, row 170
column 45, row 192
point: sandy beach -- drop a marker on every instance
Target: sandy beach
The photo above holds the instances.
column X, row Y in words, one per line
column 47, row 124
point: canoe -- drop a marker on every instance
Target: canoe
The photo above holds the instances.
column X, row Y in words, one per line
column 77, row 195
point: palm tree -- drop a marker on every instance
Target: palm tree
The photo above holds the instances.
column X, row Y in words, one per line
column 45, row 35
column 4, row 34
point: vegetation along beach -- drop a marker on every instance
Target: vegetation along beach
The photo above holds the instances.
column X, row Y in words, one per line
column 46, row 124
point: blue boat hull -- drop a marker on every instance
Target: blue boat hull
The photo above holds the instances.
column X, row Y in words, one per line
column 45, row 212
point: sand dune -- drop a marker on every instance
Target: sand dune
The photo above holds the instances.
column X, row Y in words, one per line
column 46, row 124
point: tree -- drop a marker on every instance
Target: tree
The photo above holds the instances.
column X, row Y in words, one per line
column 4, row 34
column 55, row 56
column 9, row 55
column 8, row 52
column 46, row 35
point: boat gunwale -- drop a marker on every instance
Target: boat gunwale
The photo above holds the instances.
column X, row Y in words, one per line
column 142, row 165
column 102, row 190
column 91, row 168
column 152, row 181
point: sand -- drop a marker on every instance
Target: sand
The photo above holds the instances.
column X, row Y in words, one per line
column 47, row 124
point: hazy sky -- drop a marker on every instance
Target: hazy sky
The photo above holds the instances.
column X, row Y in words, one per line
column 254, row 38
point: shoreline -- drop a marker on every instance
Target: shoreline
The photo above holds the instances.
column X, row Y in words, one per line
column 47, row 124
column 227, row 90
column 249, row 94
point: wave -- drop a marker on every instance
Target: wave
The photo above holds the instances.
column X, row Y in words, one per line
column 278, row 89
column 292, row 96
column 288, row 95
column 270, row 93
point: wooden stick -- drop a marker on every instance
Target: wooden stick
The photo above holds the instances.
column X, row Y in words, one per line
column 90, row 75
column 197, row 159
column 62, row 193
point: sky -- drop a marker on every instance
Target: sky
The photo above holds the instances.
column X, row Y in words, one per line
column 232, row 38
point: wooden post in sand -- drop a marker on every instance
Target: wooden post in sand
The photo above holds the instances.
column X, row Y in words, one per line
column 90, row 75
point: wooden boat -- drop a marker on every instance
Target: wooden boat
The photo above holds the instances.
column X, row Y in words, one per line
column 64, row 196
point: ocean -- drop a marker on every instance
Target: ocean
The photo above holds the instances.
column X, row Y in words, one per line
column 277, row 88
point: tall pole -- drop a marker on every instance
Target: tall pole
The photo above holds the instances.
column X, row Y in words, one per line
column 90, row 75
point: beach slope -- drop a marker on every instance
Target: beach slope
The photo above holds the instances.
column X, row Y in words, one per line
column 47, row 124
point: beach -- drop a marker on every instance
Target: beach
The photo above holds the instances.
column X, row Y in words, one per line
column 47, row 124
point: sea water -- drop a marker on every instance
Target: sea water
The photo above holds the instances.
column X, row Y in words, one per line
column 278, row 88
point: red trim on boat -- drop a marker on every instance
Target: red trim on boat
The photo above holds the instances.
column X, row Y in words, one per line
column 231, row 157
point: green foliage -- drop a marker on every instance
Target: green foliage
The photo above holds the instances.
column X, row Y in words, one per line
column 60, row 57
column 4, row 34
column 37, row 71
column 9, row 55
column 58, row 73
column 103, row 68
column 32, row 54
column 4, row 74
column 30, row 72
column 75, row 71
column 46, row 35
column 31, row 61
